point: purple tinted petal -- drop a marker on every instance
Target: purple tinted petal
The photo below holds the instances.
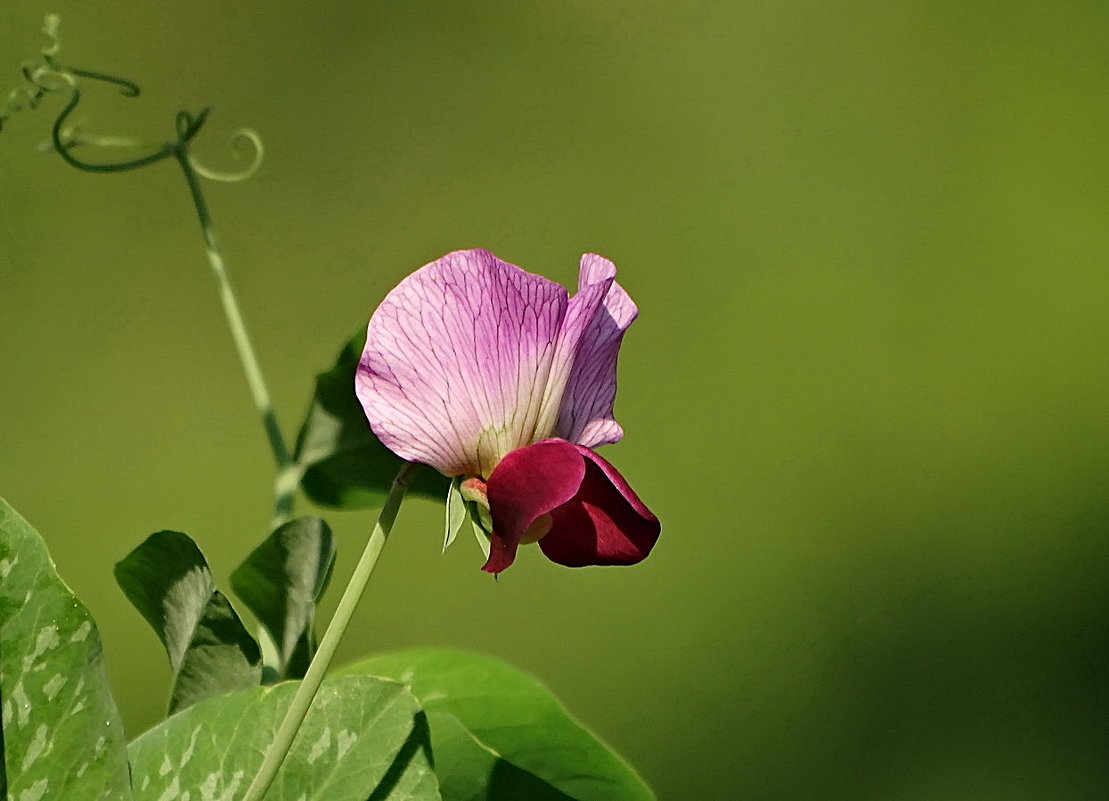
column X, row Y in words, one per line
column 528, row 483
column 605, row 523
column 456, row 361
column 595, row 323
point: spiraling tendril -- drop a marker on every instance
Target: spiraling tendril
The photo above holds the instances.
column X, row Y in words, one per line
column 40, row 75
column 64, row 140
column 236, row 140
column 45, row 75
column 50, row 28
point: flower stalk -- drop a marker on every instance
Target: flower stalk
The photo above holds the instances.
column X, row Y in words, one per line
column 310, row 685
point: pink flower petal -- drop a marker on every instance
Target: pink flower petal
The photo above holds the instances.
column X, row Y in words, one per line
column 470, row 358
column 605, row 523
column 529, row 483
column 457, row 361
column 594, row 327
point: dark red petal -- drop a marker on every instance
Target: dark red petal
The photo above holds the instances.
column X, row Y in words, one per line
column 527, row 483
column 605, row 523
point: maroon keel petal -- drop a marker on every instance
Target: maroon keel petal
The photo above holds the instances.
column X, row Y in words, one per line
column 605, row 523
column 528, row 483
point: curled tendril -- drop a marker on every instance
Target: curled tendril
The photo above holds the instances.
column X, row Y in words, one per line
column 188, row 126
column 34, row 86
column 235, row 141
column 126, row 88
column 50, row 78
column 50, row 28
column 23, row 96
column 61, row 135
column 46, row 75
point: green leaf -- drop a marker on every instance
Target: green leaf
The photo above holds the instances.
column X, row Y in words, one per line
column 3, row 766
column 499, row 735
column 365, row 739
column 281, row 582
column 456, row 513
column 342, row 463
column 210, row 651
column 62, row 733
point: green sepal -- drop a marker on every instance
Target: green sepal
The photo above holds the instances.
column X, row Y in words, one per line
column 281, row 582
column 167, row 580
column 481, row 523
column 456, row 512
column 459, row 510
column 342, row 464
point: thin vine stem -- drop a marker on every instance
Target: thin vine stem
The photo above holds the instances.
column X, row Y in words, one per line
column 188, row 126
column 286, row 481
column 310, row 685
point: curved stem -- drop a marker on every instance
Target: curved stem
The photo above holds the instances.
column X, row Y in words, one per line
column 253, row 370
column 126, row 87
column 308, row 687
column 71, row 160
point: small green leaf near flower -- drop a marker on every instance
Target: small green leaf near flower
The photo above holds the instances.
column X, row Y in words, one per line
column 281, row 582
column 210, row 651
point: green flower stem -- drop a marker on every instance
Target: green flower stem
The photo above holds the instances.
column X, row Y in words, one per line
column 302, row 701
column 284, row 489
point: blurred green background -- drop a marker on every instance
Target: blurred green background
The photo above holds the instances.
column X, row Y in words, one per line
column 867, row 392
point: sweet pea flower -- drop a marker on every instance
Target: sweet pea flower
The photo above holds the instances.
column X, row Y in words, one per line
column 483, row 370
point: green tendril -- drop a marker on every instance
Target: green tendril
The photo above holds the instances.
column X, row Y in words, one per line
column 63, row 147
column 235, row 140
column 126, row 88
column 50, row 28
column 47, row 76
column 32, row 89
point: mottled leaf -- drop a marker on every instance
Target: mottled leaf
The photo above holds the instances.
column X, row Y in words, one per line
column 3, row 765
column 210, row 651
column 62, row 734
column 499, row 735
column 281, row 582
column 342, row 463
column 365, row 739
